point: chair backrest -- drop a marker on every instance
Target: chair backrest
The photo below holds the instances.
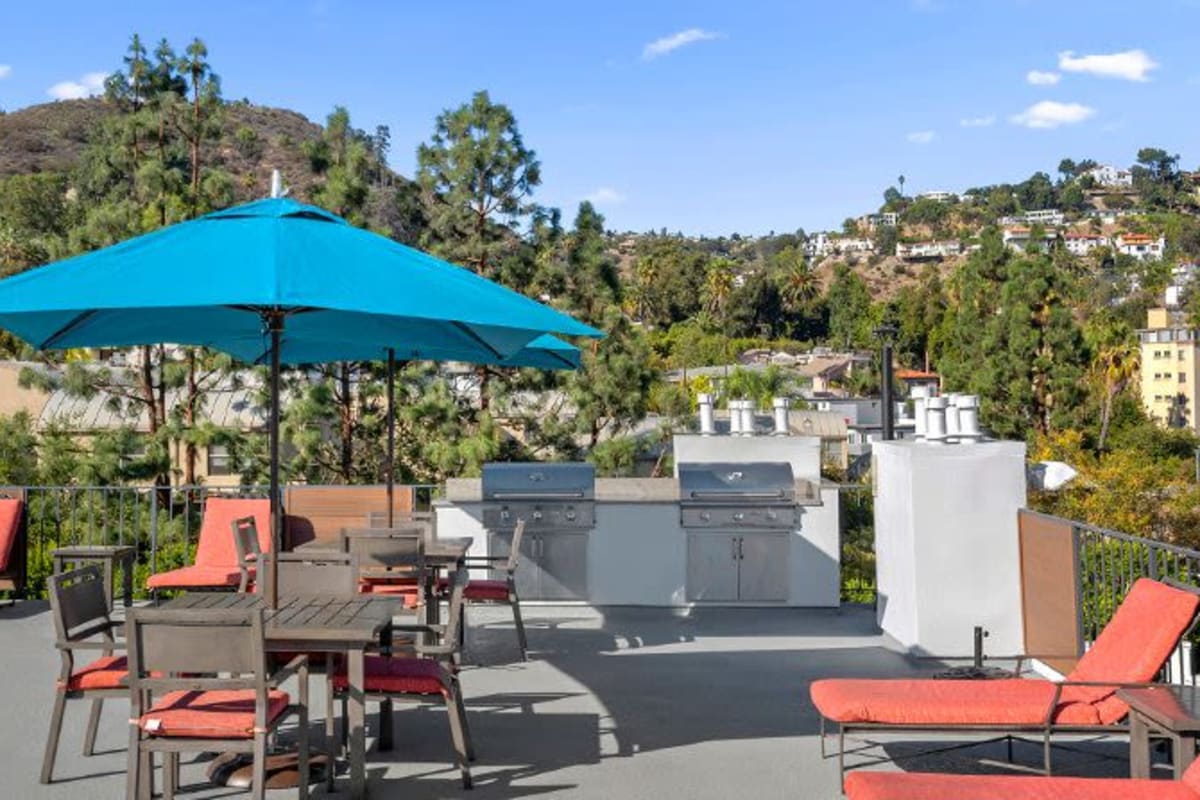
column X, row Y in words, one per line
column 245, row 540
column 216, row 547
column 514, row 555
column 1138, row 640
column 1191, row 776
column 379, row 519
column 458, row 587
column 165, row 643
column 78, row 604
column 386, row 548
column 11, row 511
column 317, row 574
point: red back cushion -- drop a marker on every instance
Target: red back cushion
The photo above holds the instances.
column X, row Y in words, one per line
column 1191, row 776
column 10, row 523
column 1137, row 641
column 216, row 547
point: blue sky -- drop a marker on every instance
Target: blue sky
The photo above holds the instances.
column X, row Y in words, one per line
column 705, row 117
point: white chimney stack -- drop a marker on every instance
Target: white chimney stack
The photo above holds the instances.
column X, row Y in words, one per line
column 968, row 418
column 707, row 425
column 952, row 417
column 920, row 397
column 935, row 420
column 735, row 417
column 748, row 409
column 780, row 406
column 276, row 184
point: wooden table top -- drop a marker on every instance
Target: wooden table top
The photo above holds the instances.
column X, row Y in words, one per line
column 439, row 552
column 310, row 619
column 1176, row 708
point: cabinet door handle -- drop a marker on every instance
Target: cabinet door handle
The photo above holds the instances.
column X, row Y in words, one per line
column 741, row 552
column 733, row 548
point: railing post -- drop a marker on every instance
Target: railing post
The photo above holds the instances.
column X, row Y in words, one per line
column 1153, row 562
column 153, row 531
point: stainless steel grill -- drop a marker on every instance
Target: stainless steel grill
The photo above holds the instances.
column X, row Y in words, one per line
column 546, row 496
column 742, row 495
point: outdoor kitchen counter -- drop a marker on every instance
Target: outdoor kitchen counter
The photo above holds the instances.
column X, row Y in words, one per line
column 637, row 553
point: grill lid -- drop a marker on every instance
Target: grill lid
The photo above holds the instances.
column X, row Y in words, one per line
column 728, row 482
column 519, row 480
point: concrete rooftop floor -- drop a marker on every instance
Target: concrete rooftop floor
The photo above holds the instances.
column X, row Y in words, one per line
column 613, row 703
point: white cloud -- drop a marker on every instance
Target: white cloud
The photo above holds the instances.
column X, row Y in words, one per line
column 90, row 84
column 5, row 71
column 1129, row 65
column 920, row 137
column 1052, row 114
column 1039, row 78
column 978, row 122
column 605, row 196
column 660, row 47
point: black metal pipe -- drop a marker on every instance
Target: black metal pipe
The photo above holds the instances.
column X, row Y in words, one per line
column 391, row 433
column 274, row 320
column 889, row 410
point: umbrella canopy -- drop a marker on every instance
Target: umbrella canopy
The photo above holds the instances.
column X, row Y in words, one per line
column 263, row 281
column 212, row 282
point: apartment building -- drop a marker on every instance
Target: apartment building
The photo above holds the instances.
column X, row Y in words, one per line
column 1170, row 350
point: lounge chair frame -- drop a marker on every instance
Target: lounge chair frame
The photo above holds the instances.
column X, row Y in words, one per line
column 1045, row 730
column 15, row 575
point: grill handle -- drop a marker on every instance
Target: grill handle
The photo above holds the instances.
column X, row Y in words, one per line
column 778, row 495
column 535, row 495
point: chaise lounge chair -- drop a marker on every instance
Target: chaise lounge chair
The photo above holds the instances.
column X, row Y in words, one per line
column 217, row 566
column 12, row 546
column 1130, row 651
column 930, row 786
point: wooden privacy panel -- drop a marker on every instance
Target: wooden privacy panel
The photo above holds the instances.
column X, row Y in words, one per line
column 320, row 512
column 1049, row 595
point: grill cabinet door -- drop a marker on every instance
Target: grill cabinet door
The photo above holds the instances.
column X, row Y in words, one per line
column 562, row 559
column 712, row 566
column 763, row 574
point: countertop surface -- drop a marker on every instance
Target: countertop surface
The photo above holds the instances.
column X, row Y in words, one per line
column 618, row 490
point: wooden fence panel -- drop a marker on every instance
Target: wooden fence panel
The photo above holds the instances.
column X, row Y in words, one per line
column 320, row 512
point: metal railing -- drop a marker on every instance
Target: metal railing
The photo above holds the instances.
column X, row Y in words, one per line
column 162, row 523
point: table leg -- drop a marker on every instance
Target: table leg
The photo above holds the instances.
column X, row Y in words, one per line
column 385, row 707
column 127, row 578
column 108, row 582
column 1185, row 753
column 1139, row 747
column 358, row 736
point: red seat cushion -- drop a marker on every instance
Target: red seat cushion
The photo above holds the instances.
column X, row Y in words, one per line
column 398, row 676
column 195, row 578
column 1134, row 644
column 210, row 715
column 1191, row 777
column 216, row 547
column 10, row 524
column 863, row 785
column 107, row 672
column 930, row 702
column 479, row 591
column 410, row 595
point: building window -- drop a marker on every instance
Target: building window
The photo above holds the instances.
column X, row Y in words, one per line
column 220, row 460
column 1182, row 377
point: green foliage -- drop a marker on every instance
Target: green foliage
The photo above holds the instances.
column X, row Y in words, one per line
column 851, row 318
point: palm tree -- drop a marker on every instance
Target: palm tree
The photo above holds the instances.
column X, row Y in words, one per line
column 718, row 285
column 1115, row 366
column 799, row 287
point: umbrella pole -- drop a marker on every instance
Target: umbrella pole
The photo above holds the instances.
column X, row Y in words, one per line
column 274, row 321
column 391, row 434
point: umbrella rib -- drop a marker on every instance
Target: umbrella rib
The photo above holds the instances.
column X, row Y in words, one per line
column 478, row 339
column 51, row 342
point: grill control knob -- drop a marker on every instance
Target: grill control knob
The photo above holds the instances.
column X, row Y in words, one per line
column 537, row 515
column 570, row 514
column 739, row 515
column 505, row 514
column 704, row 515
column 772, row 515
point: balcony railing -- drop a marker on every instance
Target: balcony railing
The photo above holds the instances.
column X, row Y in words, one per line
column 161, row 522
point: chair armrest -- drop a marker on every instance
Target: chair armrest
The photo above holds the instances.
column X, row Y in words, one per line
column 91, row 645
column 1114, row 685
column 416, row 627
column 486, row 559
column 293, row 667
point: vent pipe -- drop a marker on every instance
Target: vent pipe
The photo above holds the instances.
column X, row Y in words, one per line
column 952, row 417
column 935, row 420
column 748, row 409
column 780, row 406
column 920, row 397
column 735, row 417
column 276, row 184
column 707, row 425
column 968, row 418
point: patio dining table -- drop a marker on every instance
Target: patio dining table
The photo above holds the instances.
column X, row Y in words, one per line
column 320, row 624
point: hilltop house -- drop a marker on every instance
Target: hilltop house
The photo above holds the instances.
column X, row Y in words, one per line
column 821, row 244
column 884, row 219
column 1081, row 244
column 939, row 196
column 1111, row 177
column 1140, row 246
column 1018, row 238
column 1043, row 216
column 925, row 251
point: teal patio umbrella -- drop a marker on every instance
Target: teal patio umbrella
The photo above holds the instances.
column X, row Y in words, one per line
column 263, row 281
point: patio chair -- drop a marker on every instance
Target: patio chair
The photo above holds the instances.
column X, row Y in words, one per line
column 79, row 608
column 497, row 591
column 13, row 550
column 175, row 708
column 429, row 676
column 1131, row 651
column 218, row 566
column 933, row 786
column 391, row 561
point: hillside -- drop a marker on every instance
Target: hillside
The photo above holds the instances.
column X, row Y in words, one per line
column 52, row 136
